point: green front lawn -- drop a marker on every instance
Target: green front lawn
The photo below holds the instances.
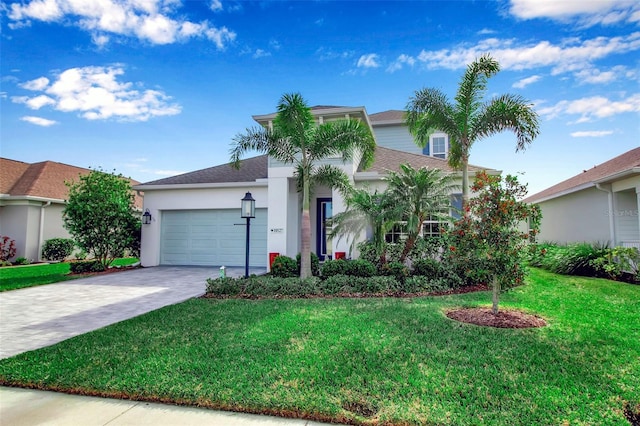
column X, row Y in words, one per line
column 377, row 360
column 14, row 277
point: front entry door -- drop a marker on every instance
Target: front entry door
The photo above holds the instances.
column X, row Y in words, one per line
column 324, row 245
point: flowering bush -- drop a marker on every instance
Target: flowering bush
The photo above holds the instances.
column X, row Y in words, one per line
column 7, row 248
column 486, row 244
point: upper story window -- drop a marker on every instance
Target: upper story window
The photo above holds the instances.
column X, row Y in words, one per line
column 438, row 146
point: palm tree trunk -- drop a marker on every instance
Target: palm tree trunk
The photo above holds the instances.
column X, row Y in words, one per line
column 496, row 295
column 305, row 238
column 465, row 183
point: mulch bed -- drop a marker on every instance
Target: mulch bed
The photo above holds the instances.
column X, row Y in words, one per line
column 105, row 272
column 503, row 319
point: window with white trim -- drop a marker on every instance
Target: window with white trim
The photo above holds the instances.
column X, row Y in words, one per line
column 438, row 146
column 431, row 228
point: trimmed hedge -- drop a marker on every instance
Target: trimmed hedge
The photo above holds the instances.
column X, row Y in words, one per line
column 88, row 266
column 57, row 249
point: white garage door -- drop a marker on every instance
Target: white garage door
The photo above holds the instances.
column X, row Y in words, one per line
column 212, row 238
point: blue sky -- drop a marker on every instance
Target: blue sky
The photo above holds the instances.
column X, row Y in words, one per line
column 153, row 88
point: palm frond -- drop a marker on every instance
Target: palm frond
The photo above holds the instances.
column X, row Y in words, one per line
column 333, row 177
column 508, row 112
column 254, row 139
column 428, row 111
column 346, row 138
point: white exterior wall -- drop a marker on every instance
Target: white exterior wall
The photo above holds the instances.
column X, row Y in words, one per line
column 396, row 137
column 582, row 216
column 190, row 199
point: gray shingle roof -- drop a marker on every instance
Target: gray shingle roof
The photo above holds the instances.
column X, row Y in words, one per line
column 250, row 170
column 391, row 115
column 621, row 163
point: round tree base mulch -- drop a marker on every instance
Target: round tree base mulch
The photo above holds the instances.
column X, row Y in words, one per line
column 503, row 319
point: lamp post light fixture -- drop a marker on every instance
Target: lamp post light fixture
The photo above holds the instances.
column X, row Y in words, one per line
column 146, row 217
column 247, row 211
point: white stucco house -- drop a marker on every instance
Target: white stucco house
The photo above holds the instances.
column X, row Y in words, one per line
column 598, row 205
column 32, row 198
column 196, row 216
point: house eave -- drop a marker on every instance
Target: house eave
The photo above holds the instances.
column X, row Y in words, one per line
column 256, row 183
column 11, row 199
column 619, row 175
column 563, row 193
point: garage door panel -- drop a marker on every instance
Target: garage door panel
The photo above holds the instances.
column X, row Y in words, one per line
column 211, row 238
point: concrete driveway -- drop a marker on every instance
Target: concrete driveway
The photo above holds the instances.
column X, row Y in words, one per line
column 36, row 317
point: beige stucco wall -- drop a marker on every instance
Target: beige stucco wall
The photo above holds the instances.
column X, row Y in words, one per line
column 582, row 216
column 21, row 220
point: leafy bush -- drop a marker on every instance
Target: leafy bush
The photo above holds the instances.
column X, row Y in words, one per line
column 21, row 261
column 334, row 267
column 574, row 259
column 88, row 266
column 57, row 249
column 396, row 270
column 7, row 248
column 315, row 264
column 360, row 268
column 427, row 248
column 284, row 267
column 618, row 261
column 340, row 283
column 427, row 267
column 224, row 286
column 368, row 252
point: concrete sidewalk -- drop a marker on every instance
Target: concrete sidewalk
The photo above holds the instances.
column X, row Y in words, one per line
column 24, row 407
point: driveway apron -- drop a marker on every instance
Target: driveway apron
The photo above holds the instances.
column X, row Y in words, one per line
column 36, row 317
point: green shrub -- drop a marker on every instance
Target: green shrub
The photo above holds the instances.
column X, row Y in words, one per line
column 88, row 266
column 360, row 268
column 616, row 262
column 368, row 252
column 266, row 286
column 335, row 284
column 421, row 283
column 427, row 249
column 334, row 267
column 315, row 264
column 57, row 249
column 427, row 267
column 396, row 270
column 284, row 267
column 224, row 286
column 21, row 261
column 574, row 259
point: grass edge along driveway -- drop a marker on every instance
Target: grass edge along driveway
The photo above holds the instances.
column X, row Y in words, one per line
column 15, row 277
column 368, row 361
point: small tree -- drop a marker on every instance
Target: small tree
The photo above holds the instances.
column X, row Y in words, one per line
column 100, row 215
column 492, row 228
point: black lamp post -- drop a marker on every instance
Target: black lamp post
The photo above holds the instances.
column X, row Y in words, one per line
column 248, row 211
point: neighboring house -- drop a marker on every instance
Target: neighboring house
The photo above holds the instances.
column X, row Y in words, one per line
column 196, row 216
column 32, row 198
column 599, row 205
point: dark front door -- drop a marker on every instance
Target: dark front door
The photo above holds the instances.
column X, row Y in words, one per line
column 324, row 246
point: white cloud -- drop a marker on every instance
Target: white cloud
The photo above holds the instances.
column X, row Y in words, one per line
column 216, row 5
column 400, row 62
column 328, row 54
column 259, row 53
column 37, row 84
column 38, row 121
column 151, row 21
column 521, row 84
column 368, row 61
column 591, row 108
column 96, row 94
column 486, row 31
column 592, row 134
column 570, row 55
column 587, row 13
column 35, row 102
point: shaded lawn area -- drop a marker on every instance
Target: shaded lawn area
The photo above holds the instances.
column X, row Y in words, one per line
column 399, row 361
column 15, row 277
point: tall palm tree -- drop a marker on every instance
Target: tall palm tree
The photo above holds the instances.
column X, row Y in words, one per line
column 364, row 210
column 422, row 194
column 297, row 140
column 470, row 118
